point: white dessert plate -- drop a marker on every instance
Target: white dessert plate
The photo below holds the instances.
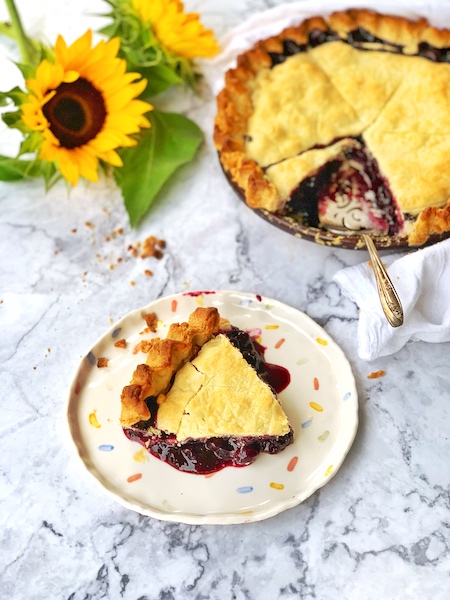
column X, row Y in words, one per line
column 320, row 402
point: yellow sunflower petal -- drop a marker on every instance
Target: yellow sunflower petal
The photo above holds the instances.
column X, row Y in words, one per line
column 68, row 166
column 112, row 158
column 121, row 98
column 70, row 76
column 48, row 151
column 79, row 49
column 88, row 163
column 108, row 139
column 61, row 52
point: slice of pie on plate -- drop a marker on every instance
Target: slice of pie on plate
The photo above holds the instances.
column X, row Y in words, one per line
column 205, row 398
column 343, row 120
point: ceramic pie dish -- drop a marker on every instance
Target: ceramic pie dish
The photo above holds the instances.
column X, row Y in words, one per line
column 320, row 402
column 343, row 120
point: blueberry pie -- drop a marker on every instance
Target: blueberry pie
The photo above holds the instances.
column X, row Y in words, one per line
column 348, row 115
column 206, row 398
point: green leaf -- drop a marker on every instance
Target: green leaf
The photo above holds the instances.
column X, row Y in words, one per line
column 15, row 169
column 14, row 121
column 171, row 141
column 31, row 143
column 50, row 173
column 27, row 71
column 109, row 30
column 159, row 78
column 16, row 95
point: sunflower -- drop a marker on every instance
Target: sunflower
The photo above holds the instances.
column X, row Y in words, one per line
column 181, row 33
column 84, row 105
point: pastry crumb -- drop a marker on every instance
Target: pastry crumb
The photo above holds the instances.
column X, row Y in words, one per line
column 152, row 321
column 151, row 247
column 89, row 224
column 121, row 343
column 376, row 374
column 132, row 283
column 148, row 273
column 102, row 363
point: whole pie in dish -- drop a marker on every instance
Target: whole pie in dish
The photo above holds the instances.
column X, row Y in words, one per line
column 343, row 120
column 206, row 398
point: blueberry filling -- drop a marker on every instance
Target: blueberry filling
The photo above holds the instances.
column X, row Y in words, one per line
column 213, row 454
column 356, row 38
column 353, row 188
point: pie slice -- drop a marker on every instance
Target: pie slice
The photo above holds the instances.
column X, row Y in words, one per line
column 206, row 398
column 343, row 121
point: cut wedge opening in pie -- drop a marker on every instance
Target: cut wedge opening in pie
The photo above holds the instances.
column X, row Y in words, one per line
column 206, row 398
column 343, row 121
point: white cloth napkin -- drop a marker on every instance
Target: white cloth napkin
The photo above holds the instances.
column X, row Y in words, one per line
column 422, row 281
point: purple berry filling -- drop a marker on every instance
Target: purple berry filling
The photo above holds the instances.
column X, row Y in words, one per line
column 353, row 174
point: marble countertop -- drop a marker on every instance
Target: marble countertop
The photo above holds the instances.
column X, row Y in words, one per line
column 380, row 529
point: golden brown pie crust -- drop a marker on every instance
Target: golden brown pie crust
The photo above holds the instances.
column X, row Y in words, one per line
column 164, row 358
column 412, row 173
column 203, row 384
column 219, row 394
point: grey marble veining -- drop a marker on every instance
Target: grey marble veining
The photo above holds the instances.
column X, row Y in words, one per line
column 379, row 530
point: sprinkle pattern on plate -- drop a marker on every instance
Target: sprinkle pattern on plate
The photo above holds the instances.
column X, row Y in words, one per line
column 320, row 401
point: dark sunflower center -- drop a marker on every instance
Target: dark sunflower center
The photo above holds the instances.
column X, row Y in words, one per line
column 76, row 113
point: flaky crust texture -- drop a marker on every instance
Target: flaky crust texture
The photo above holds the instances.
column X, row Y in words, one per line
column 234, row 102
column 164, row 358
column 431, row 221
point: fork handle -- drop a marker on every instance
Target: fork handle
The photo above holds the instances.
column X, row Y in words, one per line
column 390, row 302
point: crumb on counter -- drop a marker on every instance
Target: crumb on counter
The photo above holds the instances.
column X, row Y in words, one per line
column 89, row 224
column 152, row 247
column 148, row 273
column 376, row 375
column 132, row 283
column 134, row 249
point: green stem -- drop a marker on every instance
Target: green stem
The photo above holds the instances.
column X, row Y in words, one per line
column 6, row 29
column 19, row 33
